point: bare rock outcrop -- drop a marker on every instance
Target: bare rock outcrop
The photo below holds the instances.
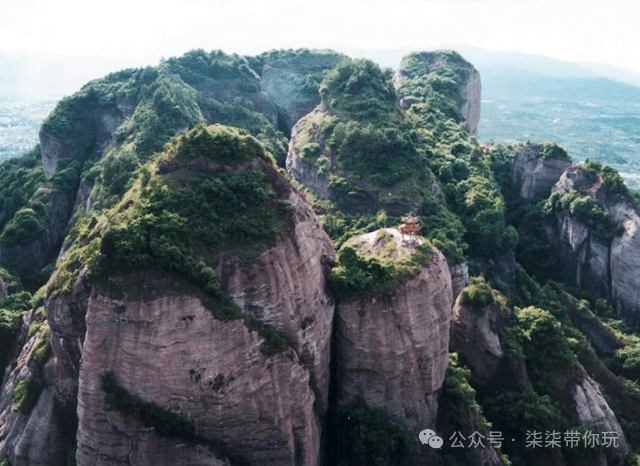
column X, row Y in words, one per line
column 272, row 290
column 242, row 401
column 476, row 333
column 593, row 413
column 306, row 171
column 532, row 175
column 291, row 80
column 42, row 430
column 604, row 264
column 471, row 107
column 92, row 132
column 315, row 170
column 459, row 277
column 392, row 349
column 607, row 267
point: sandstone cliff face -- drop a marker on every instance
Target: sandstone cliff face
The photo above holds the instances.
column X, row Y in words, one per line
column 585, row 257
column 93, row 134
column 291, row 81
column 459, row 277
column 392, row 349
column 592, row 412
column 256, row 407
column 301, row 170
column 45, row 432
column 365, row 197
column 284, row 287
column 606, row 268
column 476, row 333
column 533, row 176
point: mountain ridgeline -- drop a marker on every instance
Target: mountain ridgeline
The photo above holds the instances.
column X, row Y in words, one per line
column 201, row 265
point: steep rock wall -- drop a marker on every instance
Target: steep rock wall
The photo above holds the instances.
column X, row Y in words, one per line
column 257, row 407
column 44, row 433
column 392, row 349
column 533, row 176
column 284, row 287
column 471, row 107
column 606, row 268
column 291, row 81
column 304, row 171
column 91, row 135
column 593, row 413
column 476, row 333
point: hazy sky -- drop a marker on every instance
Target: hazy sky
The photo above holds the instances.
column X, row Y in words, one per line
column 140, row 32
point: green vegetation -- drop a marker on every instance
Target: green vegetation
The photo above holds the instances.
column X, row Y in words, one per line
column 478, row 294
column 12, row 308
column 25, row 226
column 25, row 396
column 418, row 158
column 458, row 400
column 551, row 150
column 610, row 178
column 42, row 348
column 437, row 85
column 165, row 423
column 219, row 144
column 377, row 269
column 514, row 413
column 359, row 90
column 584, row 209
column 368, row 436
column 181, row 213
column 550, row 362
column 19, row 179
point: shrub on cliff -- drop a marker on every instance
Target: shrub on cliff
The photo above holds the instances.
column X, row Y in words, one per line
column 551, row 150
column 584, row 209
column 357, row 273
column 166, row 424
column 551, row 363
column 478, row 294
column 184, row 209
column 26, row 225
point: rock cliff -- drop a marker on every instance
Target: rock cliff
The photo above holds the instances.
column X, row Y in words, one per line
column 476, row 332
column 27, row 255
column 392, row 349
column 291, row 80
column 595, row 236
column 533, row 175
column 249, row 398
column 272, row 290
column 604, row 265
column 467, row 79
column 89, row 134
column 40, row 429
column 592, row 412
column 242, row 402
